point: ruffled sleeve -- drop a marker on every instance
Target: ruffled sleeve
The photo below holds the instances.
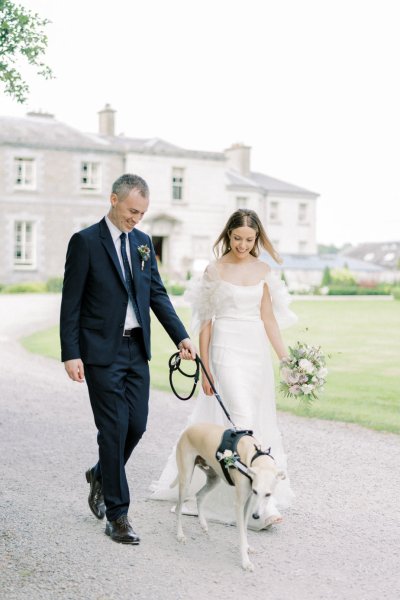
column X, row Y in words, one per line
column 280, row 301
column 201, row 294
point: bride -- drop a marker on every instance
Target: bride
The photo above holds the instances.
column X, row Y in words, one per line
column 237, row 308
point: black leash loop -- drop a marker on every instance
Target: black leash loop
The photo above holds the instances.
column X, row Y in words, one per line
column 174, row 364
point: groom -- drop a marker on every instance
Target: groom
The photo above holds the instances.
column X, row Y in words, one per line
column 111, row 281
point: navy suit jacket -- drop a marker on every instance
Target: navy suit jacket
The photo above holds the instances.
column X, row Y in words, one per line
column 95, row 297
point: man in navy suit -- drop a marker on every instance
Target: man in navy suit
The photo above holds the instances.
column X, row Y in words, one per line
column 111, row 281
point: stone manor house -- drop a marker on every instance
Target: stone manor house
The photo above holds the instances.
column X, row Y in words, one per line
column 56, row 180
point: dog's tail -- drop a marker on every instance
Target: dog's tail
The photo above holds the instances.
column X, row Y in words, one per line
column 175, row 482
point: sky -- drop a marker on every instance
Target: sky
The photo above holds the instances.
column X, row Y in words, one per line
column 311, row 85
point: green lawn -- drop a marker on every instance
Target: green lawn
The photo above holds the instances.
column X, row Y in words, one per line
column 361, row 337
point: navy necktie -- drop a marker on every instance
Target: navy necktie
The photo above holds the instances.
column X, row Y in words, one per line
column 128, row 276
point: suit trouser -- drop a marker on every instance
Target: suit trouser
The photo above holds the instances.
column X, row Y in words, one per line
column 119, row 395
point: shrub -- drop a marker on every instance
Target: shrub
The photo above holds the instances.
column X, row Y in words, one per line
column 326, row 277
column 341, row 290
column 176, row 289
column 343, row 277
column 396, row 293
column 33, row 287
column 54, row 284
column 354, row 290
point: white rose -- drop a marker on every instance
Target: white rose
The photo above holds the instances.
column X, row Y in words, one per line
column 306, row 365
column 307, row 388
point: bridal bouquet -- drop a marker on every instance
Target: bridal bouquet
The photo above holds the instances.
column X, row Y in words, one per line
column 303, row 373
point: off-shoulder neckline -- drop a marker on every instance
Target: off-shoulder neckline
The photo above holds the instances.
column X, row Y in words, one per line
column 243, row 285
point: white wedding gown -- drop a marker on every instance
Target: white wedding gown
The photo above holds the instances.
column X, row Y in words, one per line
column 240, row 359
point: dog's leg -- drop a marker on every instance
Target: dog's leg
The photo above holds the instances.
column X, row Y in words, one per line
column 185, row 462
column 212, row 481
column 247, row 512
column 242, row 497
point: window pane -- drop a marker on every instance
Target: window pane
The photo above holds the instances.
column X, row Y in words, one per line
column 177, row 183
column 24, row 244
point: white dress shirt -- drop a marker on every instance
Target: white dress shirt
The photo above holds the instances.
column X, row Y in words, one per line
column 130, row 320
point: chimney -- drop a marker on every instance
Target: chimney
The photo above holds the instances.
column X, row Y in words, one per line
column 238, row 156
column 40, row 113
column 107, row 121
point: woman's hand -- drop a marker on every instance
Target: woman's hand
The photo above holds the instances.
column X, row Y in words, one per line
column 206, row 386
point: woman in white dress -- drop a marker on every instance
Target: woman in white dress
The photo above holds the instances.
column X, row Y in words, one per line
column 238, row 307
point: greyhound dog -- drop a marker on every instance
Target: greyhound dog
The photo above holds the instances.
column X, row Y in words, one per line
column 254, row 481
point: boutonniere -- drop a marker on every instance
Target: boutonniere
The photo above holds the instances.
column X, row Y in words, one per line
column 144, row 252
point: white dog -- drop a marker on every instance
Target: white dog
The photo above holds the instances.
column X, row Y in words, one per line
column 254, row 476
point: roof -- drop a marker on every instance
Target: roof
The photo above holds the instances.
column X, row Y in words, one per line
column 44, row 131
column 270, row 184
column 158, row 146
column 265, row 183
column 40, row 130
column 385, row 254
column 236, row 179
column 315, row 262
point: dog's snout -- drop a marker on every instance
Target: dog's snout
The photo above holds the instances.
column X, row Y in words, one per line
column 256, row 516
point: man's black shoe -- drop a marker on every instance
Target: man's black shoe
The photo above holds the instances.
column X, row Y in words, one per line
column 96, row 498
column 121, row 531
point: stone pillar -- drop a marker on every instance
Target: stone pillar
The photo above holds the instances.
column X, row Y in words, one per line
column 238, row 156
column 107, row 121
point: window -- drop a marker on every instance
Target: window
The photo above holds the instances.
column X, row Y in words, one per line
column 25, row 173
column 274, row 211
column 303, row 212
column 241, row 202
column 90, row 176
column 24, row 245
column 302, row 247
column 177, row 183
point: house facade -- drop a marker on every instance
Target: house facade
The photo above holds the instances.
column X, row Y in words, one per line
column 56, row 180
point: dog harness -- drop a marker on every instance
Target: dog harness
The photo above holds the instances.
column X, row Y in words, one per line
column 228, row 456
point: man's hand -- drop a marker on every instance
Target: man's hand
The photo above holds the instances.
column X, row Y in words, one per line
column 75, row 369
column 187, row 349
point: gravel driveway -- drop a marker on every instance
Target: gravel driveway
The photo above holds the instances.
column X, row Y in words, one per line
column 339, row 541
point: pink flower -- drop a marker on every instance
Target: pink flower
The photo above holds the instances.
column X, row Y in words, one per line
column 295, row 389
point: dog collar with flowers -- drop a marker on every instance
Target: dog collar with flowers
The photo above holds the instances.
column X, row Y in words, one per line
column 144, row 252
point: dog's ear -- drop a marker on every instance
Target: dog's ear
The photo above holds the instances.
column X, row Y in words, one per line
column 281, row 475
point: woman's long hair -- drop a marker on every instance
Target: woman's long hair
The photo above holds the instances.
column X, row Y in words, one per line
column 244, row 217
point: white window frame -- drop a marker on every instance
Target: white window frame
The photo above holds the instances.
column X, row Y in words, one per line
column 241, row 202
column 178, row 184
column 27, row 260
column 302, row 244
column 92, row 176
column 303, row 215
column 24, row 173
column 273, row 211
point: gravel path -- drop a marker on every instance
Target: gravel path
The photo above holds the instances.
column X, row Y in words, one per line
column 339, row 541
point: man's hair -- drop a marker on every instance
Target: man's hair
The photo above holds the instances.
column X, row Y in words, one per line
column 127, row 182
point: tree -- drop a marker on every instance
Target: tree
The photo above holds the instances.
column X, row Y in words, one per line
column 21, row 36
column 326, row 277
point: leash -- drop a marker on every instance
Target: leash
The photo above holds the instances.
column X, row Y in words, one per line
column 174, row 364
